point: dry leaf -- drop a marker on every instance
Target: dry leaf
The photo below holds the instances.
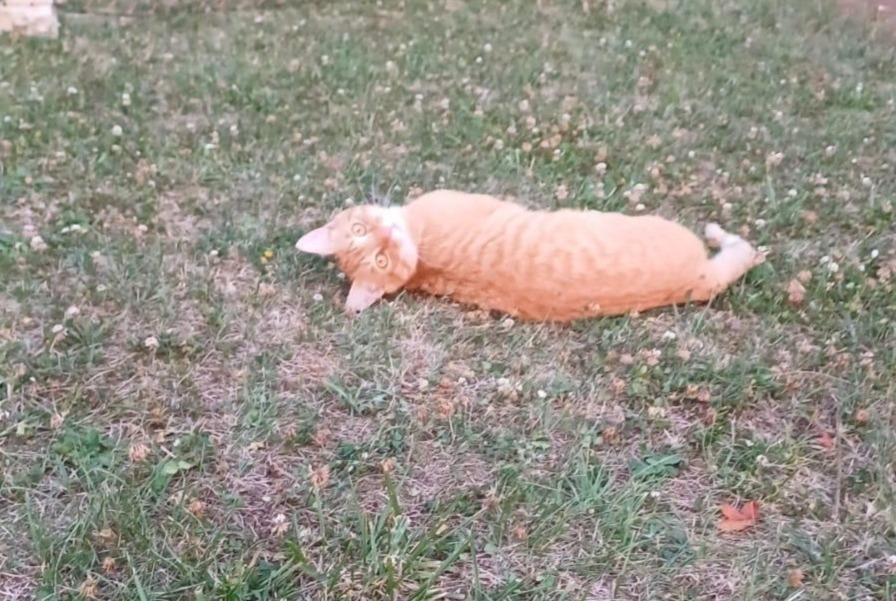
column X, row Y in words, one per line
column 696, row 393
column 610, row 434
column 322, row 437
column 197, row 508
column 446, row 408
column 730, row 512
column 88, row 587
column 138, row 452
column 735, row 525
column 106, row 535
column 109, row 564
column 796, row 292
column 750, row 510
column 319, row 476
column 735, row 520
column 795, row 578
column 618, row 385
column 279, row 525
column 491, row 501
column 56, row 420
column 288, row 431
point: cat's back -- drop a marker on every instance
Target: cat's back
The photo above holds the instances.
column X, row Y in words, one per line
column 613, row 245
column 451, row 205
column 447, row 216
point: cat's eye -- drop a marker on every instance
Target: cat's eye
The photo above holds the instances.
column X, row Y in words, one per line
column 382, row 261
column 358, row 229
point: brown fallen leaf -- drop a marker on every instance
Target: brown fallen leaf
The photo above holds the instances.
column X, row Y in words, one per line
column 197, row 508
column 796, row 292
column 735, row 520
column 795, row 578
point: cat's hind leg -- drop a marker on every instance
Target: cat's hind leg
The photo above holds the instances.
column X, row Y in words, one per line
column 734, row 259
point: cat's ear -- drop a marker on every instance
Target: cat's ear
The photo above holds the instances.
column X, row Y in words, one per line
column 362, row 295
column 317, row 242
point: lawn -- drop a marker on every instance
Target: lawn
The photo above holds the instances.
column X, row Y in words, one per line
column 187, row 413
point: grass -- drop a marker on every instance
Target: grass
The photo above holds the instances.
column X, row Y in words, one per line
column 187, row 414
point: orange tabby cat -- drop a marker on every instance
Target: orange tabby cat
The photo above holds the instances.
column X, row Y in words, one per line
column 541, row 265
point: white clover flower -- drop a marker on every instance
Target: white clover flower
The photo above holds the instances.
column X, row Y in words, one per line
column 37, row 244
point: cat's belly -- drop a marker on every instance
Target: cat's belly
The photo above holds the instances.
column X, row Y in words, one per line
column 562, row 266
column 549, row 304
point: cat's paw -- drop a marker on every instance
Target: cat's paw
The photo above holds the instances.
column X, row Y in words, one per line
column 759, row 255
column 715, row 234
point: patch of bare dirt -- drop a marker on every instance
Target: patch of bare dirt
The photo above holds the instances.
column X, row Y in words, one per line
column 174, row 216
column 437, row 472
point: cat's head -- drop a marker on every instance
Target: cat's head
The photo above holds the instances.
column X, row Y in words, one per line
column 372, row 246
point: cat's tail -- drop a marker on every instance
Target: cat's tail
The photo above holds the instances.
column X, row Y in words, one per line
column 734, row 259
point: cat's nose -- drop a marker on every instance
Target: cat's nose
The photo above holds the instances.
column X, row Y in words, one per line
column 384, row 231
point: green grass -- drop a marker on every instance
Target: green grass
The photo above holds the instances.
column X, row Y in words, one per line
column 186, row 413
